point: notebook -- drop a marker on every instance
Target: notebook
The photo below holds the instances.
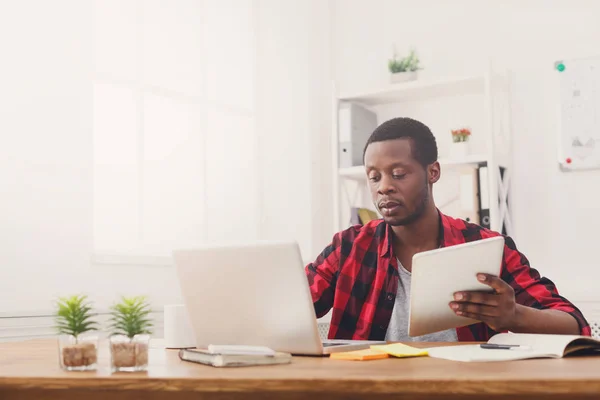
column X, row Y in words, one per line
column 519, row 346
column 206, row 357
column 400, row 350
column 240, row 350
column 359, row 355
column 377, row 352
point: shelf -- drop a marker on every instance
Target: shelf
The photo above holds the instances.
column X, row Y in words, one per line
column 472, row 159
column 355, row 173
column 419, row 90
column 358, row 173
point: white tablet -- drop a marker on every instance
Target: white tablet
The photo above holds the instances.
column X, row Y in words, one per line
column 439, row 273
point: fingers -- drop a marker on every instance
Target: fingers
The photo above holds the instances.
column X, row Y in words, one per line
column 478, row 317
column 479, row 310
column 490, row 299
column 494, row 282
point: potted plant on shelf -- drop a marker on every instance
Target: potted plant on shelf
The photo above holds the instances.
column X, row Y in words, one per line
column 130, row 334
column 460, row 142
column 77, row 351
column 404, row 69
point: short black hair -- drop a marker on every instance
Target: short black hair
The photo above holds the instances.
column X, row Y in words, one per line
column 424, row 148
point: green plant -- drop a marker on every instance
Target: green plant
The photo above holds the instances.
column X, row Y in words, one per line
column 74, row 315
column 129, row 317
column 408, row 63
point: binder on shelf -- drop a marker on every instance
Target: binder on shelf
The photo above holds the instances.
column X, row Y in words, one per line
column 502, row 181
column 361, row 216
column 367, row 215
column 484, row 198
column 468, row 194
column 355, row 125
column 354, row 217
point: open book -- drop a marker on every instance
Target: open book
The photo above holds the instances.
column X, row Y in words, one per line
column 519, row 346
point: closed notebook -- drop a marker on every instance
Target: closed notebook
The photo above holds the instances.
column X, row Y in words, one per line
column 359, row 355
column 201, row 356
column 519, row 346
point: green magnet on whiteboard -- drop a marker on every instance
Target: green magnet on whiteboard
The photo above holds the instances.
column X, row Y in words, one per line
column 560, row 67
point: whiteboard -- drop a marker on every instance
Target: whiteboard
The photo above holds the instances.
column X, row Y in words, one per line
column 579, row 132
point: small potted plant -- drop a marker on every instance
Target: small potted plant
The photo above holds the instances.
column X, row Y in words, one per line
column 405, row 68
column 130, row 334
column 77, row 351
column 460, row 142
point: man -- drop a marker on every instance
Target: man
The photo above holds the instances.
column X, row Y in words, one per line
column 364, row 274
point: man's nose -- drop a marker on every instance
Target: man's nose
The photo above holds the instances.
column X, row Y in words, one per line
column 385, row 185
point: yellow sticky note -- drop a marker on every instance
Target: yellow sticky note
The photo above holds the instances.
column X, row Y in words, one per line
column 360, row 355
column 400, row 350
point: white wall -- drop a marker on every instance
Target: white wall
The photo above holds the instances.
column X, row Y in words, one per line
column 47, row 145
column 46, row 163
column 293, row 122
column 555, row 214
column 278, row 173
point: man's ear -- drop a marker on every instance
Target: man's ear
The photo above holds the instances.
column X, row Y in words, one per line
column 434, row 172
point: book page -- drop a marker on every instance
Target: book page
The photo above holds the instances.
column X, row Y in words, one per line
column 530, row 346
column 552, row 344
column 474, row 353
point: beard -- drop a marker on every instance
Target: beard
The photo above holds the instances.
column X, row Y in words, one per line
column 417, row 213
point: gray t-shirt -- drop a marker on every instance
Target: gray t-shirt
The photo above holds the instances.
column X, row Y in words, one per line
column 398, row 328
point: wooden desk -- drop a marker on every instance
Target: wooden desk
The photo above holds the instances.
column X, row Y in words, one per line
column 29, row 370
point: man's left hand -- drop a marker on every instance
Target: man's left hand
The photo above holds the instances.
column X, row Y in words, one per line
column 498, row 309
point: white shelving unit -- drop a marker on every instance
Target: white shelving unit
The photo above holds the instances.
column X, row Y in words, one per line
column 418, row 90
column 358, row 173
column 492, row 88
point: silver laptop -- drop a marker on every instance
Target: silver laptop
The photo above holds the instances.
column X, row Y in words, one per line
column 253, row 294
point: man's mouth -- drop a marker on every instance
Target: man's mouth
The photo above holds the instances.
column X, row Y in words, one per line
column 389, row 207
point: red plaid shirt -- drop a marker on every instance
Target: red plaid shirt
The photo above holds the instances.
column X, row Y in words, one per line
column 357, row 275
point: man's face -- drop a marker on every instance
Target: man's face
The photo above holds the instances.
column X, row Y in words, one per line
column 400, row 186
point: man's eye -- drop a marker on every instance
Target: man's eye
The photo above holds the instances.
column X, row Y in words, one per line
column 399, row 176
column 373, row 178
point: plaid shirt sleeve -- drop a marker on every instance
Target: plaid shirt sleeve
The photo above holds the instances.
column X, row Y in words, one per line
column 535, row 291
column 322, row 276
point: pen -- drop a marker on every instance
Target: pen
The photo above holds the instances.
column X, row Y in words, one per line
column 498, row 346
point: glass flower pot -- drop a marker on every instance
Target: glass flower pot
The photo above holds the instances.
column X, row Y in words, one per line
column 129, row 354
column 405, row 76
column 459, row 150
column 78, row 353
